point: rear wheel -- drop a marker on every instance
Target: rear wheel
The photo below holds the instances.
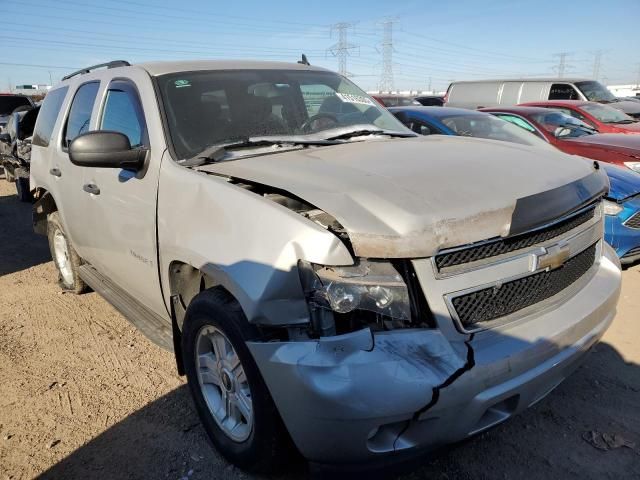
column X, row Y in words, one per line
column 229, row 393
column 64, row 256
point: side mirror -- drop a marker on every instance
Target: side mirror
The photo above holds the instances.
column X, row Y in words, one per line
column 106, row 149
column 5, row 137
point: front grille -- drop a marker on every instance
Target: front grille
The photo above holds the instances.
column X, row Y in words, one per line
column 507, row 245
column 494, row 302
column 634, row 221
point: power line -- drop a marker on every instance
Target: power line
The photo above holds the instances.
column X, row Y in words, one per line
column 597, row 62
column 386, row 78
column 562, row 63
column 342, row 49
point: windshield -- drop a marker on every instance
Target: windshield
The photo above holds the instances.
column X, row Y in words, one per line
column 216, row 107
column 607, row 114
column 562, row 125
column 9, row 103
column 595, row 92
column 488, row 126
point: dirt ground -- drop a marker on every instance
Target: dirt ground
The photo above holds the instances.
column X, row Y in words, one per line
column 84, row 395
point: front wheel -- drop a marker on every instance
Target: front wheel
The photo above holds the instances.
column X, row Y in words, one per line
column 231, row 398
column 64, row 256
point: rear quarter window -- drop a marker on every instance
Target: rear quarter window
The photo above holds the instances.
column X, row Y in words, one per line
column 47, row 117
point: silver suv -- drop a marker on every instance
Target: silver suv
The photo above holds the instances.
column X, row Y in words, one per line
column 325, row 277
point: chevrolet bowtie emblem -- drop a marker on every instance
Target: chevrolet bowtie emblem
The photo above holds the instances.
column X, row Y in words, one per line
column 554, row 257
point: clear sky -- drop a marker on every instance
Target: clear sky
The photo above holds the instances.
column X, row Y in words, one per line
column 434, row 42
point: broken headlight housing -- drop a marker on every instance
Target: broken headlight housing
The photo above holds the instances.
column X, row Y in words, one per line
column 368, row 287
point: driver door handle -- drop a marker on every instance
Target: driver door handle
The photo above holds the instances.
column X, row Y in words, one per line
column 55, row 172
column 91, row 188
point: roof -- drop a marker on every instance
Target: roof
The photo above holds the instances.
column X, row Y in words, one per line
column 517, row 110
column 542, row 79
column 437, row 112
column 574, row 103
column 162, row 68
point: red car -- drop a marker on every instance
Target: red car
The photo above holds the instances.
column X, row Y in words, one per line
column 604, row 118
column 573, row 136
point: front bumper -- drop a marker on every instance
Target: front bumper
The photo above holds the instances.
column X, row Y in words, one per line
column 361, row 396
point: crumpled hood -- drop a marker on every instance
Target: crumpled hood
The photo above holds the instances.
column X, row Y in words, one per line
column 412, row 197
column 624, row 182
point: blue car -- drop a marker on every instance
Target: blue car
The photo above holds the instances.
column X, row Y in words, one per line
column 621, row 207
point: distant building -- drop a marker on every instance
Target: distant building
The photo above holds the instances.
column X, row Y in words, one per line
column 625, row 90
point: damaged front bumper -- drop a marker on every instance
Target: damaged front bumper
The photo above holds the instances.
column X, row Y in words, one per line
column 352, row 398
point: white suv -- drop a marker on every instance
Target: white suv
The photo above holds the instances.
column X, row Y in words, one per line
column 323, row 275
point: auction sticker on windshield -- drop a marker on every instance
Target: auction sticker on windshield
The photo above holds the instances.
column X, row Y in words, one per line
column 350, row 98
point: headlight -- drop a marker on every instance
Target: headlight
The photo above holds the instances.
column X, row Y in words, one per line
column 375, row 286
column 635, row 166
column 611, row 208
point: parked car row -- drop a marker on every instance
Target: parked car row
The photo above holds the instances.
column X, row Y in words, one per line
column 328, row 279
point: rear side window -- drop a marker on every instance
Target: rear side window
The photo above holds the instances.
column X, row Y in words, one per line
column 563, row 91
column 517, row 121
column 48, row 115
column 80, row 112
column 123, row 113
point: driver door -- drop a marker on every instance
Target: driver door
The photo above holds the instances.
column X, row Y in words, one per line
column 121, row 212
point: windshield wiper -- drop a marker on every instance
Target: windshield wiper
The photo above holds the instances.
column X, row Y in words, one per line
column 217, row 152
column 364, row 132
column 625, row 121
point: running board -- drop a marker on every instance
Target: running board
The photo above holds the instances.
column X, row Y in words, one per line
column 154, row 327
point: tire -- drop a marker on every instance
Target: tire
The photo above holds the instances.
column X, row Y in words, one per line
column 22, row 188
column 64, row 256
column 265, row 445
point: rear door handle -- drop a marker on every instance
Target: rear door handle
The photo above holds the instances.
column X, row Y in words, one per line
column 91, row 188
column 55, row 172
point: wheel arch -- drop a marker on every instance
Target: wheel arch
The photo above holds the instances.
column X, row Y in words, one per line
column 185, row 283
column 43, row 206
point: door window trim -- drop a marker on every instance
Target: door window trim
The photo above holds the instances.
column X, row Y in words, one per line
column 63, row 131
column 129, row 85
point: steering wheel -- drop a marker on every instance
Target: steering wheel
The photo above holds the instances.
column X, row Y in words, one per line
column 307, row 126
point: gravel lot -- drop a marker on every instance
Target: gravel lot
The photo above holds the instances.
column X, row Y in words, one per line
column 84, row 395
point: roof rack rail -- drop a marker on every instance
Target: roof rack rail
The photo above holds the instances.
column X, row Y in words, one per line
column 113, row 64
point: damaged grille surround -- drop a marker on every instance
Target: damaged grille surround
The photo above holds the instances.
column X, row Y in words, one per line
column 493, row 248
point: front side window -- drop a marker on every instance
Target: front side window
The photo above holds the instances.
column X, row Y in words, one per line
column 563, row 91
column 80, row 112
column 595, row 91
column 264, row 103
column 48, row 115
column 607, row 114
column 122, row 113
